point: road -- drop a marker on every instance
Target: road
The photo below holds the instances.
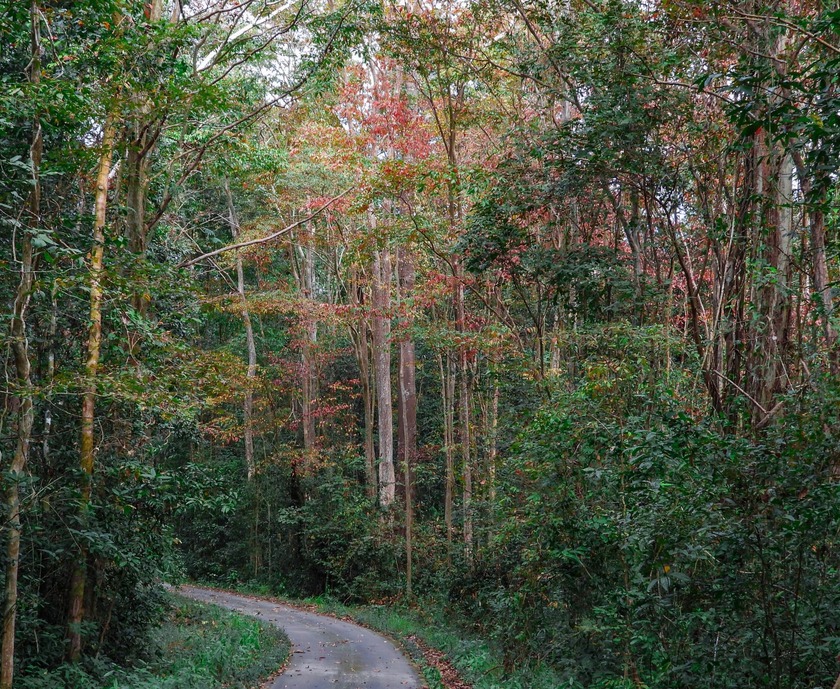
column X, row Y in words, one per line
column 326, row 653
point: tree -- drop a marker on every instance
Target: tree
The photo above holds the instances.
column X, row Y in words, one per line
column 20, row 346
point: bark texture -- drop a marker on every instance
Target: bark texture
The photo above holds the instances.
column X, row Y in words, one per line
column 87, row 449
column 408, row 411
column 250, row 343
column 382, row 360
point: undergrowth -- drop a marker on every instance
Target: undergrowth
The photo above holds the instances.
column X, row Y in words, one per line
column 198, row 646
column 479, row 664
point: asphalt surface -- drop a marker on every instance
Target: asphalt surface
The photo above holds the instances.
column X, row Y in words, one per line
column 326, row 653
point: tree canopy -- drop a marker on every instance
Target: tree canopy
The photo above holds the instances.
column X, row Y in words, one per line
column 521, row 309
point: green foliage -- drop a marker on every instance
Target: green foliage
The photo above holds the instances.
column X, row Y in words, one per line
column 590, row 209
column 331, row 540
column 656, row 547
column 195, row 647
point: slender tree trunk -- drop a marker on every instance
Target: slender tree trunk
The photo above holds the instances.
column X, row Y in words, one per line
column 465, row 420
column 303, row 266
column 382, row 358
column 408, row 414
column 142, row 133
column 310, row 370
column 821, row 289
column 634, row 234
column 248, row 402
column 24, row 394
column 76, row 595
column 361, row 346
column 45, row 444
column 369, row 400
column 447, row 393
column 492, row 450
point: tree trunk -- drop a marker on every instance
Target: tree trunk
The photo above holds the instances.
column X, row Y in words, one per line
column 76, row 595
column 493, row 446
column 20, row 350
column 248, row 402
column 310, row 371
column 447, row 392
column 464, row 413
column 303, row 267
column 382, row 359
column 136, row 164
column 408, row 413
column 821, row 289
column 361, row 347
column 45, row 443
column 369, row 400
column 767, row 361
column 142, row 133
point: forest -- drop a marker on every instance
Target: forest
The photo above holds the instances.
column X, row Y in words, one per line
column 521, row 311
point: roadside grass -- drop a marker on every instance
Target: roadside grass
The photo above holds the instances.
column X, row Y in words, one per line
column 476, row 661
column 198, row 646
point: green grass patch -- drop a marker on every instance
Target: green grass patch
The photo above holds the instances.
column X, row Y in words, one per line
column 198, row 646
column 478, row 663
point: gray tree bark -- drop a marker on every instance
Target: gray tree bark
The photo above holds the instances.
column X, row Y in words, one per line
column 382, row 361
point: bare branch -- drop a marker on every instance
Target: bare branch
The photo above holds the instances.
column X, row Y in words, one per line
column 263, row 240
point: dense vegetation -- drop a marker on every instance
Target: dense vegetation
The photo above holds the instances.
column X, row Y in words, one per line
column 193, row 647
column 524, row 310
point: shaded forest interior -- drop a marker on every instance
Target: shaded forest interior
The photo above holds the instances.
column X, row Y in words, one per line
column 520, row 309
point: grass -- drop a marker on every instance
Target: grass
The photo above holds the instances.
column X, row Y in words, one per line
column 197, row 647
column 478, row 663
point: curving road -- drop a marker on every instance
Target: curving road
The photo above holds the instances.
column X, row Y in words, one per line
column 326, row 653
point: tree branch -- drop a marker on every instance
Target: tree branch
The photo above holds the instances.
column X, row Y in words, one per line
column 263, row 240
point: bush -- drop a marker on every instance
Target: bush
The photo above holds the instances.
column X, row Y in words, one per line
column 664, row 552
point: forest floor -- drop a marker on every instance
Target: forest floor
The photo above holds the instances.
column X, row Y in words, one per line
column 326, row 651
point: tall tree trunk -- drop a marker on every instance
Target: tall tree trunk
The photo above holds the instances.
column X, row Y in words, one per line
column 465, row 415
column 142, row 134
column 408, row 413
column 303, row 266
column 492, row 450
column 382, row 359
column 45, row 442
column 361, row 347
column 248, row 402
column 75, row 612
column 310, row 369
column 20, row 349
column 768, row 362
column 369, row 400
column 821, row 289
column 447, row 393
column 136, row 181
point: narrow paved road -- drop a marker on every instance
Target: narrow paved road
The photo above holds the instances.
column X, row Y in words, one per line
column 326, row 653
